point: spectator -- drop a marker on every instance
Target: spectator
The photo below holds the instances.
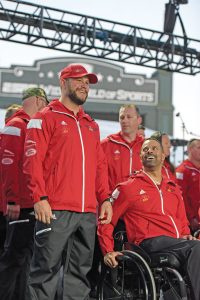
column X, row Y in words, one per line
column 67, row 172
column 9, row 112
column 153, row 211
column 141, row 130
column 188, row 177
column 123, row 148
column 15, row 261
column 168, row 167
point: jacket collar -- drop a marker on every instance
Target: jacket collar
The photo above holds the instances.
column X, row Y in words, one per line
column 118, row 138
column 142, row 174
column 57, row 106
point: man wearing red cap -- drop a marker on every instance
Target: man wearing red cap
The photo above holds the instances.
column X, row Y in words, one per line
column 67, row 172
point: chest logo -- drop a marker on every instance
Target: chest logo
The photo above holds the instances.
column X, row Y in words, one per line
column 170, row 189
column 116, row 154
column 144, row 198
column 142, row 192
column 63, row 123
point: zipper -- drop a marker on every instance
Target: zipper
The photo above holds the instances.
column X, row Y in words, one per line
column 162, row 205
column 83, row 157
column 131, row 160
column 83, row 166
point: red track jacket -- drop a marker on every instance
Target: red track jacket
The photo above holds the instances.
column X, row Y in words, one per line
column 64, row 159
column 167, row 172
column 188, row 177
column 122, row 158
column 148, row 211
column 12, row 149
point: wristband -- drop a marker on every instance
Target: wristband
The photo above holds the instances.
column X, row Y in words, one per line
column 111, row 200
column 44, row 198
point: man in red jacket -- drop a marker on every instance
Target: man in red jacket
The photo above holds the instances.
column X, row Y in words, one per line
column 67, row 173
column 123, row 148
column 153, row 211
column 9, row 112
column 14, row 262
column 188, row 177
column 122, row 151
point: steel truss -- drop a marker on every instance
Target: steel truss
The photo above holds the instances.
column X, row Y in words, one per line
column 46, row 27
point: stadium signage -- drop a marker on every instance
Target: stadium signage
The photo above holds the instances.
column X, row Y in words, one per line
column 114, row 86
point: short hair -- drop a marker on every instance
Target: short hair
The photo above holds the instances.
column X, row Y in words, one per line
column 11, row 110
column 158, row 135
column 130, row 106
column 190, row 142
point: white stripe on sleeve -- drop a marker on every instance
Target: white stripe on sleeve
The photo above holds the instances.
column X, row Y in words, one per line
column 179, row 175
column 35, row 123
column 11, row 130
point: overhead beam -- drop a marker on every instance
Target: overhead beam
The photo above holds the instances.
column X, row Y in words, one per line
column 46, row 27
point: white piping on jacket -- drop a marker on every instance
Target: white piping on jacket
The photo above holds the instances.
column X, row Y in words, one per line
column 162, row 206
column 83, row 156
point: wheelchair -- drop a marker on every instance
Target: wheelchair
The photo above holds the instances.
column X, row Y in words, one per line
column 140, row 276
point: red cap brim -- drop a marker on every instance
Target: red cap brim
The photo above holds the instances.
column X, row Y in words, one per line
column 92, row 77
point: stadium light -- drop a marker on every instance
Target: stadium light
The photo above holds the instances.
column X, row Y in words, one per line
column 171, row 14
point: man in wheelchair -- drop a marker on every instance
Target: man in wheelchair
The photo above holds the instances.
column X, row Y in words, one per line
column 153, row 211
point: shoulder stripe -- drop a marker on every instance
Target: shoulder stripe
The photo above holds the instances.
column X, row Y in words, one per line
column 179, row 175
column 35, row 123
column 11, row 130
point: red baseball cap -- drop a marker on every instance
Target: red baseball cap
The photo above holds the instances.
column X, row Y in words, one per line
column 77, row 71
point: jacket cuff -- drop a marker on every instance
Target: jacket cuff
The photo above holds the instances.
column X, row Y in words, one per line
column 103, row 198
column 39, row 198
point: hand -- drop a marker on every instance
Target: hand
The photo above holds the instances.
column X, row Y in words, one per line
column 110, row 259
column 188, row 237
column 106, row 212
column 13, row 211
column 43, row 212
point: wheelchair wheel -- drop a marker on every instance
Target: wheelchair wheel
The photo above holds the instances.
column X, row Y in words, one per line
column 131, row 280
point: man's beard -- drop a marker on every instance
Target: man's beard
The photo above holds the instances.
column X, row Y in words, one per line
column 75, row 99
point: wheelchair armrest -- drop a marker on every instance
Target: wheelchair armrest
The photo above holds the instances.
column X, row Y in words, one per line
column 139, row 250
column 122, row 258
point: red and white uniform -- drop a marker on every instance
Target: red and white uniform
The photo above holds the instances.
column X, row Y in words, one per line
column 123, row 157
column 147, row 210
column 12, row 150
column 188, row 177
column 166, row 171
column 64, row 159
